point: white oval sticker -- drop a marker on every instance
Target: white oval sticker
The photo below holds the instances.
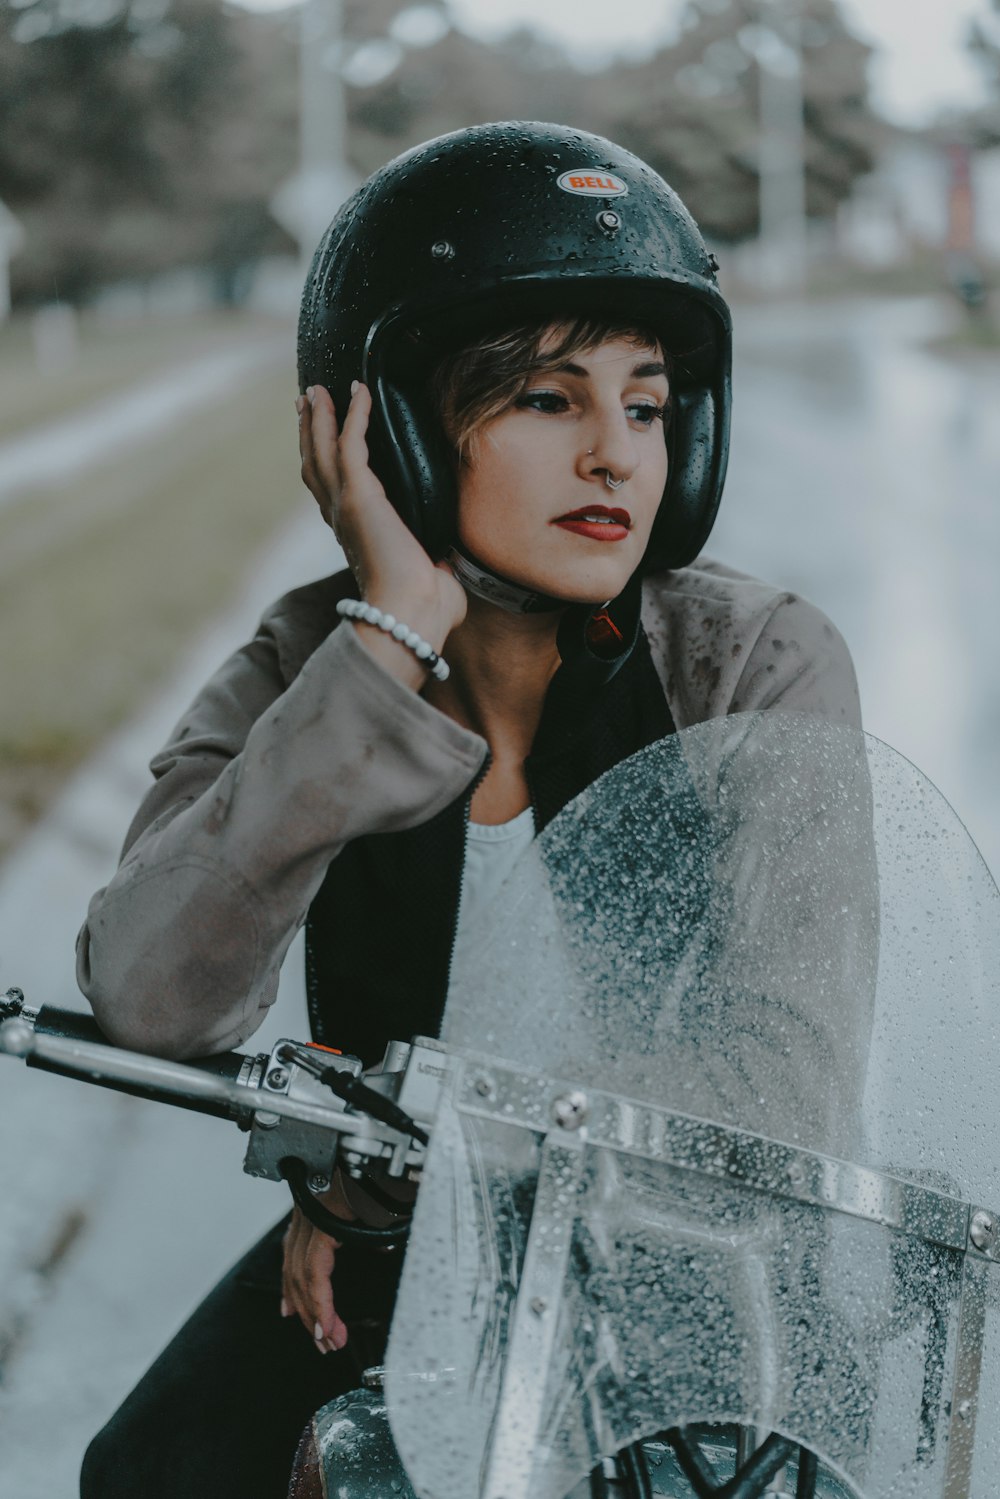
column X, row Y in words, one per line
column 592, row 183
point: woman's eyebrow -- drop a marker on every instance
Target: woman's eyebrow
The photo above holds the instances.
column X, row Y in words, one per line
column 646, row 370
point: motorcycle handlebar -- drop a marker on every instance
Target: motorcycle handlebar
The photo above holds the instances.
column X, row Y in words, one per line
column 71, row 1025
column 254, row 1091
column 71, row 1044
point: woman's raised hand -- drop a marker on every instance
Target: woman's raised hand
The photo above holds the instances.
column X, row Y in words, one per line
column 391, row 568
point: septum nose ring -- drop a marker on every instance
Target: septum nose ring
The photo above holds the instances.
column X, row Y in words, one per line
column 611, row 483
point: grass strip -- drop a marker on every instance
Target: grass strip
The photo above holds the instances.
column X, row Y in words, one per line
column 111, row 355
column 104, row 588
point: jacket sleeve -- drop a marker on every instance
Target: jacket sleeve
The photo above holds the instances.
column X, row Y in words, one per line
column 724, row 643
column 260, row 788
column 799, row 662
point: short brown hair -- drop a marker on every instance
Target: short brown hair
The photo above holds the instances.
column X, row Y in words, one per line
column 486, row 378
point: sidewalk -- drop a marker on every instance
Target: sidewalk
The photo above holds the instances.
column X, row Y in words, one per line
column 58, row 451
column 117, row 1214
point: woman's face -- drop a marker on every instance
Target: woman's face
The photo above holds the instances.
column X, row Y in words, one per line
column 534, row 502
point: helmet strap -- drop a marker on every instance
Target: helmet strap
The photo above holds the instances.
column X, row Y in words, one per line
column 592, row 643
column 478, row 579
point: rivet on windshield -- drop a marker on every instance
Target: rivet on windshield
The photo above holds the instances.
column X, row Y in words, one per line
column 442, row 250
column 965, row 1410
column 570, row 1110
column 982, row 1229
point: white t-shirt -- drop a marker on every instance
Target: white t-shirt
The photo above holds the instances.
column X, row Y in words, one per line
column 491, row 851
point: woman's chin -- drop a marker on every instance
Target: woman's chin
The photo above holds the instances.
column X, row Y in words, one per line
column 591, row 587
column 583, row 583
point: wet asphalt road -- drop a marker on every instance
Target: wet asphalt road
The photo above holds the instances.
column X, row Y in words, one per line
column 865, row 474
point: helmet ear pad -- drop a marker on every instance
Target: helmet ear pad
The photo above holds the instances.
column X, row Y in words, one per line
column 698, row 454
column 411, row 455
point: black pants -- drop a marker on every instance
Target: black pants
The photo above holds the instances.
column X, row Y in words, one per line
column 220, row 1413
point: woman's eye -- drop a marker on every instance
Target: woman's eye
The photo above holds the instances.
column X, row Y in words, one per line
column 647, row 412
column 549, row 401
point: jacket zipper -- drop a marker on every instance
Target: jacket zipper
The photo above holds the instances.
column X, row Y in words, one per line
column 467, row 818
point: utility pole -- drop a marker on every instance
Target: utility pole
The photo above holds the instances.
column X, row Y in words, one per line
column 308, row 201
column 781, row 161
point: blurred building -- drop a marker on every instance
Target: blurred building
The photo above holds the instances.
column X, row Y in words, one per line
column 930, row 192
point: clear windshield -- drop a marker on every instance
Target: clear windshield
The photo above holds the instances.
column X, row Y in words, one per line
column 768, row 925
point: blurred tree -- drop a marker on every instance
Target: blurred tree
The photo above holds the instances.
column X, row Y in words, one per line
column 984, row 41
column 984, row 44
column 137, row 135
column 693, row 110
column 129, row 143
column 462, row 81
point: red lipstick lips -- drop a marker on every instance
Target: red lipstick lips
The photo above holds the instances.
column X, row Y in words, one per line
column 598, row 522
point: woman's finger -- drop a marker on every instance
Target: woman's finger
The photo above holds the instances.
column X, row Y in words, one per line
column 327, row 1330
column 326, row 438
column 311, row 476
column 291, row 1288
column 353, row 444
column 307, row 455
column 307, row 1291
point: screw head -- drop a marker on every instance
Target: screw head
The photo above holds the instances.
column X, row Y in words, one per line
column 484, row 1087
column 318, row 1183
column 276, row 1078
column 609, row 220
column 982, row 1229
column 570, row 1110
column 538, row 1305
column 442, row 250
column 965, row 1410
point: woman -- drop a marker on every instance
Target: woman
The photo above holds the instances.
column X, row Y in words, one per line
column 521, row 329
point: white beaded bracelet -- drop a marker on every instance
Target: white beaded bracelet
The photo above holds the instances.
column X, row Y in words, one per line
column 358, row 609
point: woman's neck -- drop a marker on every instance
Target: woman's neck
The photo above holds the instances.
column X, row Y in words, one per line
column 501, row 667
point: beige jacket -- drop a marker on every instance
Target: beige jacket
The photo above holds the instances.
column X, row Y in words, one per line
column 301, row 743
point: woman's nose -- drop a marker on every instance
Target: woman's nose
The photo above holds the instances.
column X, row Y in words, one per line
column 609, row 454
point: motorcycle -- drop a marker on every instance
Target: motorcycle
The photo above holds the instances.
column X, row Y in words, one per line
column 707, row 1175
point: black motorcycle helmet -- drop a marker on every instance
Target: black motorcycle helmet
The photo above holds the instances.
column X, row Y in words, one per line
column 494, row 225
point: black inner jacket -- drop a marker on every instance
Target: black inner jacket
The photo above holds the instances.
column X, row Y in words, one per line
column 381, row 929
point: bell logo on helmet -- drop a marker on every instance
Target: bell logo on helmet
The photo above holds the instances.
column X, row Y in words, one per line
column 593, row 184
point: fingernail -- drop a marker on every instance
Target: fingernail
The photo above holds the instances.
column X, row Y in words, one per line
column 318, row 1332
column 330, row 1346
column 311, row 394
column 286, row 1310
column 340, row 1338
column 300, row 404
column 354, row 386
